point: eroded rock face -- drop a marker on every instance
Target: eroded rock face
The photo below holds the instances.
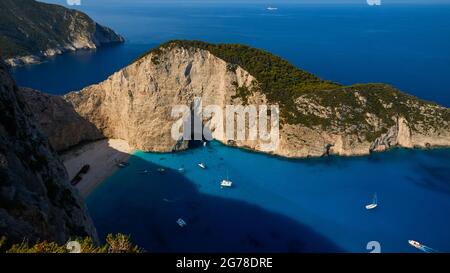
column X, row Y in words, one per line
column 135, row 104
column 36, row 200
column 46, row 30
column 58, row 120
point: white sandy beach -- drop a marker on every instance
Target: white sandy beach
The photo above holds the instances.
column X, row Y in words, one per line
column 102, row 156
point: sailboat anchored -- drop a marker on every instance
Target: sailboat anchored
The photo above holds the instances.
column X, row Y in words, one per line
column 226, row 183
column 374, row 203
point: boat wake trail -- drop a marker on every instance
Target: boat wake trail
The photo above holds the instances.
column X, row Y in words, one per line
column 427, row 249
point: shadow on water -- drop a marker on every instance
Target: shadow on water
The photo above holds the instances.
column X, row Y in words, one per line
column 147, row 206
column 432, row 169
column 436, row 178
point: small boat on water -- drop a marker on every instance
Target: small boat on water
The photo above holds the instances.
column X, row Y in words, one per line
column 415, row 244
column 181, row 222
column 271, row 8
column 422, row 247
column 374, row 203
column 122, row 164
column 161, row 170
column 181, row 170
column 144, row 172
column 202, row 165
column 226, row 183
column 205, row 143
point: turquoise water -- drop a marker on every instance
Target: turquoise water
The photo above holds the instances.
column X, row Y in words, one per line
column 276, row 205
column 314, row 205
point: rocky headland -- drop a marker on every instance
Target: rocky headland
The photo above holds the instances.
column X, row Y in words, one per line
column 317, row 117
column 31, row 31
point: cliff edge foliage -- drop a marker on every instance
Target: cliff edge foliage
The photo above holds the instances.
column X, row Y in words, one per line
column 118, row 243
column 308, row 100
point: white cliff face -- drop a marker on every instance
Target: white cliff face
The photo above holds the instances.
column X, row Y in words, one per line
column 404, row 133
column 135, row 104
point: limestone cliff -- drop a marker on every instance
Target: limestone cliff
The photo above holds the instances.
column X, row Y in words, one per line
column 135, row 103
column 59, row 121
column 317, row 117
column 36, row 200
column 30, row 31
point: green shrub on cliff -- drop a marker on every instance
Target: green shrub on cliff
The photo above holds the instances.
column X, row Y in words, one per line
column 310, row 101
column 118, row 243
column 278, row 79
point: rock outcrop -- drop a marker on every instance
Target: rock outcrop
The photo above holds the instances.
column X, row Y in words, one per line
column 32, row 31
column 37, row 201
column 63, row 126
column 135, row 104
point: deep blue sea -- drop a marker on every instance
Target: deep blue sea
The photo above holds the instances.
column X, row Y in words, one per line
column 276, row 204
column 403, row 45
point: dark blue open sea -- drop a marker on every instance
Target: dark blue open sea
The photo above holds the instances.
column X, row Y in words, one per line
column 276, row 205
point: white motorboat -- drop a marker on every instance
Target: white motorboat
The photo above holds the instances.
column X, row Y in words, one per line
column 202, row 165
column 271, row 8
column 422, row 247
column 415, row 244
column 374, row 203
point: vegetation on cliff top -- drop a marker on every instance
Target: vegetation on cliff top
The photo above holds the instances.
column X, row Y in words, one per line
column 308, row 100
column 114, row 244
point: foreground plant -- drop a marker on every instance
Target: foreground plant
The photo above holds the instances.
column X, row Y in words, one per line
column 118, row 243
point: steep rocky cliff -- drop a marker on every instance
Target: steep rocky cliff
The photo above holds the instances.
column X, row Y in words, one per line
column 36, row 200
column 31, row 31
column 59, row 121
column 317, row 117
column 135, row 103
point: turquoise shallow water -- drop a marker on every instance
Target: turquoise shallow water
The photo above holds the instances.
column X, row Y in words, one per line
column 278, row 204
